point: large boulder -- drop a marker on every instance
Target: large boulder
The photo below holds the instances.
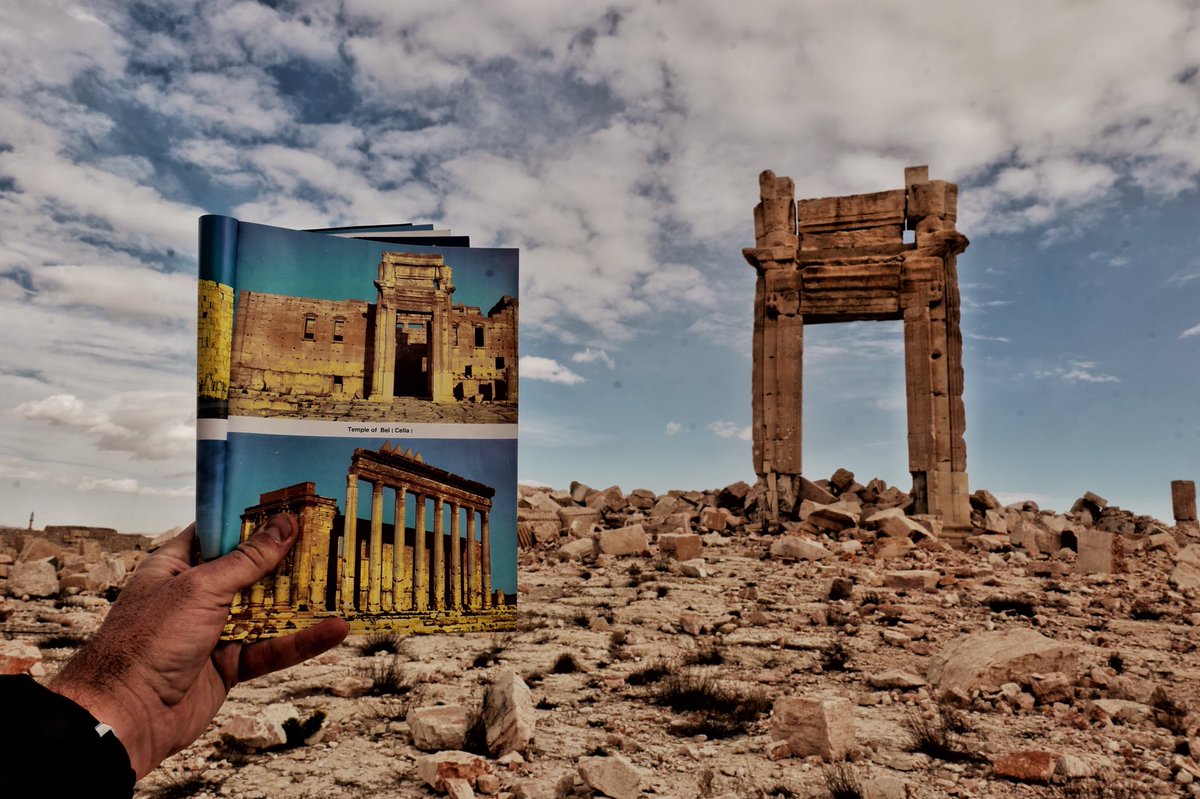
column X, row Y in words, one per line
column 613, row 776
column 508, row 714
column 990, row 659
column 629, row 540
column 35, row 578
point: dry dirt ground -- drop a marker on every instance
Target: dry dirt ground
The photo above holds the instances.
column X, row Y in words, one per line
column 595, row 635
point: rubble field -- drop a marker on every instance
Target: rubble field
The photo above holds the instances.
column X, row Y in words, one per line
column 672, row 646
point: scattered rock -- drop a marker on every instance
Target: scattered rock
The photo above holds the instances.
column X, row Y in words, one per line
column 440, row 727
column 508, row 714
column 614, row 776
column 822, row 726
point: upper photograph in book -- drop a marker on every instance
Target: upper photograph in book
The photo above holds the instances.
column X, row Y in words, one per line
column 334, row 327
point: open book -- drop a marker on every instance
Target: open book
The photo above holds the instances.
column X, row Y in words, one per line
column 367, row 384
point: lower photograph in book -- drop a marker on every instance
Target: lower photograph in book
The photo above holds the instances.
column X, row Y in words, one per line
column 405, row 536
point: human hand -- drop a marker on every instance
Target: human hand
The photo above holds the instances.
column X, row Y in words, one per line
column 155, row 671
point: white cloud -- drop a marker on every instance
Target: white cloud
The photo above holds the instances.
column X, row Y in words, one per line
column 535, row 367
column 1191, row 331
column 980, row 337
column 673, row 428
column 128, row 485
column 1077, row 372
column 591, row 356
column 149, row 426
column 723, row 429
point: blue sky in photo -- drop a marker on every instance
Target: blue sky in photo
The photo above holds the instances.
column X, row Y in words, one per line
column 618, row 146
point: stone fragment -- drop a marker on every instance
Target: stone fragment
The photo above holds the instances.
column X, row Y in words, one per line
column 35, row 578
column 895, row 678
column 508, row 714
column 1073, row 768
column 790, row 547
column 457, row 788
column 822, row 726
column 613, row 776
column 714, row 519
column 1099, row 552
column 1053, row 687
column 577, row 549
column 832, row 519
column 815, row 493
column 691, row 623
column 578, row 522
column 18, row 657
column 992, row 658
column 350, row 686
column 995, row 522
column 41, row 549
column 734, row 495
column 681, row 546
column 693, row 568
column 841, row 480
column 885, row 786
column 260, row 729
column 488, row 784
column 439, row 727
column 1034, row 766
column 579, row 491
column 435, row 770
column 610, row 499
column 629, row 540
column 109, row 572
column 890, row 548
column 912, row 580
column 1125, row 711
column 984, row 500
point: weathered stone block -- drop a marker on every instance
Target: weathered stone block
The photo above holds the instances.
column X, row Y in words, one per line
column 441, row 727
column 625, row 541
column 790, row 547
column 681, row 546
column 990, row 659
column 1099, row 552
column 912, row 580
column 822, row 726
column 36, row 578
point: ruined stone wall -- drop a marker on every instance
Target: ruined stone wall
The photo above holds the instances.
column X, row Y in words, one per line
column 488, row 372
column 292, row 346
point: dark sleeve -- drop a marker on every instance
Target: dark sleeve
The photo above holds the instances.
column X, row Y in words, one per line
column 49, row 747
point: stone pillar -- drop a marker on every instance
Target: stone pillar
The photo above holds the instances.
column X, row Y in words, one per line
column 919, row 393
column 1183, row 503
column 485, row 557
column 455, row 559
column 472, row 585
column 283, row 583
column 349, row 543
column 375, row 562
column 441, row 386
column 401, row 568
column 241, row 596
column 439, row 553
column 383, row 365
column 420, row 559
column 322, row 532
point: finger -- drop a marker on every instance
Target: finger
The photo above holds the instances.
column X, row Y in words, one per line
column 253, row 559
column 170, row 559
column 274, row 654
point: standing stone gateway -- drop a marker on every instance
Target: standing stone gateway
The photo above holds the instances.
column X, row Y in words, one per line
column 842, row 259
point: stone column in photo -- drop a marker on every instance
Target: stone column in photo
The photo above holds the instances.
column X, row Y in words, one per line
column 401, row 568
column 455, row 559
column 349, row 544
column 420, row 558
column 383, row 362
column 246, row 595
column 472, row 585
column 439, row 553
column 485, row 557
column 375, row 553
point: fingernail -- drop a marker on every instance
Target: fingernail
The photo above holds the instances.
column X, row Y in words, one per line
column 278, row 529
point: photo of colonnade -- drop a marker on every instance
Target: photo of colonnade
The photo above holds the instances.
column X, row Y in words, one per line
column 382, row 573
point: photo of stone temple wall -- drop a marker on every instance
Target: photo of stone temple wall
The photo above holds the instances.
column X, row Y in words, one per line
column 413, row 353
column 432, row 575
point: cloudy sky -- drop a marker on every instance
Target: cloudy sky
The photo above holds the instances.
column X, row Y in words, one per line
column 618, row 145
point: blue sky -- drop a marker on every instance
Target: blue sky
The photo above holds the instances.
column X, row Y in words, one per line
column 618, row 146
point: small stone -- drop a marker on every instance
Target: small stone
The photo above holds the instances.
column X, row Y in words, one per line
column 614, row 776
column 693, row 568
column 440, row 727
column 508, row 714
column 629, row 540
column 790, row 547
column 436, row 769
column 822, row 726
column 912, row 580
column 1029, row 766
column 691, row 623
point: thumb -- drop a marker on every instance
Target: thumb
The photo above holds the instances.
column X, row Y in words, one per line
column 254, row 558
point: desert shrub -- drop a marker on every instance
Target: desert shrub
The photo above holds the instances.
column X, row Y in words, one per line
column 835, row 657
column 581, row 619
column 1143, row 610
column 566, row 664
column 870, row 598
column 492, row 654
column 938, row 736
column 841, row 588
column 710, row 655
column 1013, row 605
column 1116, row 662
column 299, row 731
column 842, row 782
column 711, row 707
column 380, row 642
column 387, row 676
column 1168, row 713
column 649, row 674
